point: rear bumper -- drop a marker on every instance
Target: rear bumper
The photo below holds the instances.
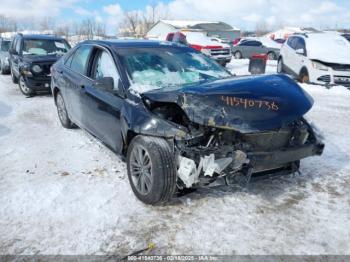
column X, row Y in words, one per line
column 38, row 83
column 261, row 161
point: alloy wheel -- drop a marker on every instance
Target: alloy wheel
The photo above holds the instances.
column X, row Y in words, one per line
column 23, row 86
column 61, row 109
column 141, row 170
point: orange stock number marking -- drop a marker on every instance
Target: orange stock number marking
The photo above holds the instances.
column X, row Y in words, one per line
column 249, row 103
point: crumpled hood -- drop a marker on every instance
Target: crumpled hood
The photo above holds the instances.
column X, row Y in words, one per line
column 246, row 104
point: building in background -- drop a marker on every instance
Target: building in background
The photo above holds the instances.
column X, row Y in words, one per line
column 162, row 28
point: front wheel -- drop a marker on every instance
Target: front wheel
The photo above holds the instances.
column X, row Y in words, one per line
column 304, row 76
column 151, row 169
column 27, row 91
column 13, row 77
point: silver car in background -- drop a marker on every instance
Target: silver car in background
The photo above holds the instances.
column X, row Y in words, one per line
column 248, row 47
column 4, row 56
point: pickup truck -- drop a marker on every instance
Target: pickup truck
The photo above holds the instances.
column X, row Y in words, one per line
column 220, row 52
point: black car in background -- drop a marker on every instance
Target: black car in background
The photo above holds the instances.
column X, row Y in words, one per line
column 181, row 120
column 4, row 56
column 347, row 36
column 31, row 57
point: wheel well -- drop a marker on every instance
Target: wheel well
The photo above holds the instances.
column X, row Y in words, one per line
column 303, row 70
column 129, row 137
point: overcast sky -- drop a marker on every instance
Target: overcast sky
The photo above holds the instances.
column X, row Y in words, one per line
column 244, row 14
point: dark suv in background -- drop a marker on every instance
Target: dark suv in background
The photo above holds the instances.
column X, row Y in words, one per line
column 31, row 57
column 4, row 56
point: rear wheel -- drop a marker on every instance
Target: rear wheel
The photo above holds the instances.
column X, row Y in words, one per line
column 223, row 63
column 271, row 56
column 238, row 55
column 151, row 169
column 27, row 91
column 2, row 71
column 62, row 112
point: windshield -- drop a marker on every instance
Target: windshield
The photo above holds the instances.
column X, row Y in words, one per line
column 155, row 68
column 5, row 46
column 44, row 47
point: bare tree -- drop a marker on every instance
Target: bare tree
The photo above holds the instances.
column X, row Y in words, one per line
column 46, row 23
column 7, row 24
column 261, row 28
column 137, row 23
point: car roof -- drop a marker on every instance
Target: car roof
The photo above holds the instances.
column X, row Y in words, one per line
column 133, row 43
column 42, row 37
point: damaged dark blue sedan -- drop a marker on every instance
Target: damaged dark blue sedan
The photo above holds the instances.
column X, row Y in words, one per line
column 181, row 120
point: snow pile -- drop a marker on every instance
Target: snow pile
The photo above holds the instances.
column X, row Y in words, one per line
column 328, row 47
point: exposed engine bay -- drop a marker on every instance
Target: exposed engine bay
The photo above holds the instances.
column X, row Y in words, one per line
column 208, row 153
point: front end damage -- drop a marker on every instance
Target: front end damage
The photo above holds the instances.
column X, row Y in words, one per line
column 237, row 128
column 227, row 153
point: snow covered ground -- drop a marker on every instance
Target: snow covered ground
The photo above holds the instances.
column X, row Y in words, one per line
column 62, row 192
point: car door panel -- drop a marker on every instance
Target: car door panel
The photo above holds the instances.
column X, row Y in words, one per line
column 102, row 115
column 101, row 109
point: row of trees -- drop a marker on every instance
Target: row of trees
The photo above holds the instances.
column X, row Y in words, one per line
column 132, row 23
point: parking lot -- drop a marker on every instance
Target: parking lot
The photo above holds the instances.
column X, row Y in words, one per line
column 62, row 192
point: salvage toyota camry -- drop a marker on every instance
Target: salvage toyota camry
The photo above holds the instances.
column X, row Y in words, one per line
column 181, row 120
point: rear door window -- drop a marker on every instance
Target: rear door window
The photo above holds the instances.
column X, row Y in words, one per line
column 80, row 59
column 291, row 42
column 251, row 43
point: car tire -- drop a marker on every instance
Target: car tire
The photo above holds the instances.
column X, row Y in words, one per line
column 151, row 169
column 62, row 112
column 27, row 91
column 280, row 66
column 2, row 71
column 271, row 56
column 223, row 64
column 13, row 77
column 238, row 55
column 304, row 76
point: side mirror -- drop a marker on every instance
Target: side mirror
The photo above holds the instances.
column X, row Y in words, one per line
column 300, row 51
column 105, row 84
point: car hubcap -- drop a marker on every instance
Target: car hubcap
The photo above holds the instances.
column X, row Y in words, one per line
column 271, row 56
column 141, row 170
column 23, row 86
column 61, row 109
